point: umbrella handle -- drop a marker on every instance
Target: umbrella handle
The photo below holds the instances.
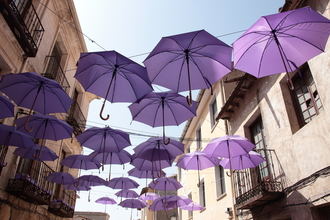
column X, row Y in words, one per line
column 228, row 174
column 166, row 140
column 189, row 99
column 26, row 127
column 289, row 81
column 101, row 112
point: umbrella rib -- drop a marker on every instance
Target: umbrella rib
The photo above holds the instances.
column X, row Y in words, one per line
column 177, row 123
column 83, row 72
column 97, row 78
column 180, row 74
column 195, row 49
column 129, row 81
column 263, row 52
column 201, row 73
column 305, row 22
column 202, row 55
column 193, row 38
column 165, row 65
column 293, row 36
column 26, row 94
column 153, row 124
column 282, row 21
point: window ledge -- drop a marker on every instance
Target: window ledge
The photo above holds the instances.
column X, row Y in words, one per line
column 213, row 127
column 221, row 196
column 202, row 210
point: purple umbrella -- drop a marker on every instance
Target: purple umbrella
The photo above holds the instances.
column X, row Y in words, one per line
column 90, row 180
column 133, row 203
column 107, row 73
column 122, row 183
column 229, row 146
column 7, row 108
column 192, row 207
column 197, row 161
column 120, row 157
column 80, row 162
column 39, row 153
column 106, row 201
column 149, row 196
column 281, row 42
column 162, row 109
column 165, row 183
column 35, row 92
column 189, row 61
column 145, row 173
column 126, row 193
column 169, row 202
column 173, row 149
column 250, row 160
column 9, row 136
column 76, row 187
column 45, row 127
column 144, row 165
column 61, row 178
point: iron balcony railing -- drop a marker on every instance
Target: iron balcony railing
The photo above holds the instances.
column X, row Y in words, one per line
column 30, row 182
column 25, row 24
column 250, row 185
column 63, row 204
column 54, row 71
column 76, row 118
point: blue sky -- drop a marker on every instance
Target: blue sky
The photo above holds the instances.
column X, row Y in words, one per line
column 134, row 27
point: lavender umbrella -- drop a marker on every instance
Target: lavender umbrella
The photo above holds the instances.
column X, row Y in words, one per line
column 144, row 165
column 9, row 136
column 61, row 178
column 35, row 92
column 197, row 161
column 39, row 153
column 106, row 201
column 90, row 180
column 76, row 187
column 162, row 109
column 80, row 162
column 107, row 73
column 7, row 108
column 145, row 173
column 192, row 207
column 189, row 61
column 281, row 42
column 133, row 203
column 165, row 183
column 250, row 160
column 126, row 193
column 120, row 157
column 169, row 202
column 229, row 146
column 122, row 183
column 149, row 196
column 45, row 127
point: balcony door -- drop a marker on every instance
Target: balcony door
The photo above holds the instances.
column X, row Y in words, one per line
column 54, row 64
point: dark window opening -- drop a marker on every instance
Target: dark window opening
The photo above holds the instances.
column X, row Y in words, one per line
column 220, row 181
column 199, row 138
column 202, row 200
column 213, row 112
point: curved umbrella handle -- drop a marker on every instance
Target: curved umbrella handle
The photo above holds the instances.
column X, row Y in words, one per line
column 26, row 127
column 189, row 99
column 228, row 174
column 101, row 112
column 166, row 140
column 289, row 81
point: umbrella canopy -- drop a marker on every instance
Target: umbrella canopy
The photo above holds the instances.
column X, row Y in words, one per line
column 9, row 136
column 250, row 160
column 106, row 201
column 169, row 202
column 45, row 127
column 120, row 157
column 90, row 180
column 197, row 161
column 149, row 196
column 229, row 146
column 126, row 193
column 165, row 183
column 144, row 165
column 173, row 149
column 145, row 173
column 154, row 155
column 189, row 61
column 105, row 74
column 76, row 187
column 162, row 109
column 122, row 183
column 192, row 207
column 104, row 139
column 61, row 178
column 133, row 203
column 80, row 162
column 38, row 152
column 281, row 42
column 35, row 92
column 7, row 108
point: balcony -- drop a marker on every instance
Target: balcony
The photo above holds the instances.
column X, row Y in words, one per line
column 257, row 186
column 63, row 205
column 54, row 71
column 30, row 183
column 76, row 118
column 25, row 24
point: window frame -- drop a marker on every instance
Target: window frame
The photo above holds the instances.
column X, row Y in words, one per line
column 220, row 181
column 213, row 111
column 199, row 138
column 202, row 194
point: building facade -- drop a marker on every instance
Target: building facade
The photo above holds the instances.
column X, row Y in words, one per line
column 41, row 36
column 290, row 128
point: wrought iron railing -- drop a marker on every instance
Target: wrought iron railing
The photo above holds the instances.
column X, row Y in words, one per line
column 30, row 182
column 76, row 118
column 267, row 177
column 25, row 24
column 54, row 71
column 3, row 153
column 63, row 204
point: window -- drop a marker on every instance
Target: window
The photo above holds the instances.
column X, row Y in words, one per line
column 202, row 201
column 54, row 63
column 213, row 112
column 199, row 138
column 257, row 135
column 220, row 181
column 179, row 174
column 190, row 213
column 305, row 96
